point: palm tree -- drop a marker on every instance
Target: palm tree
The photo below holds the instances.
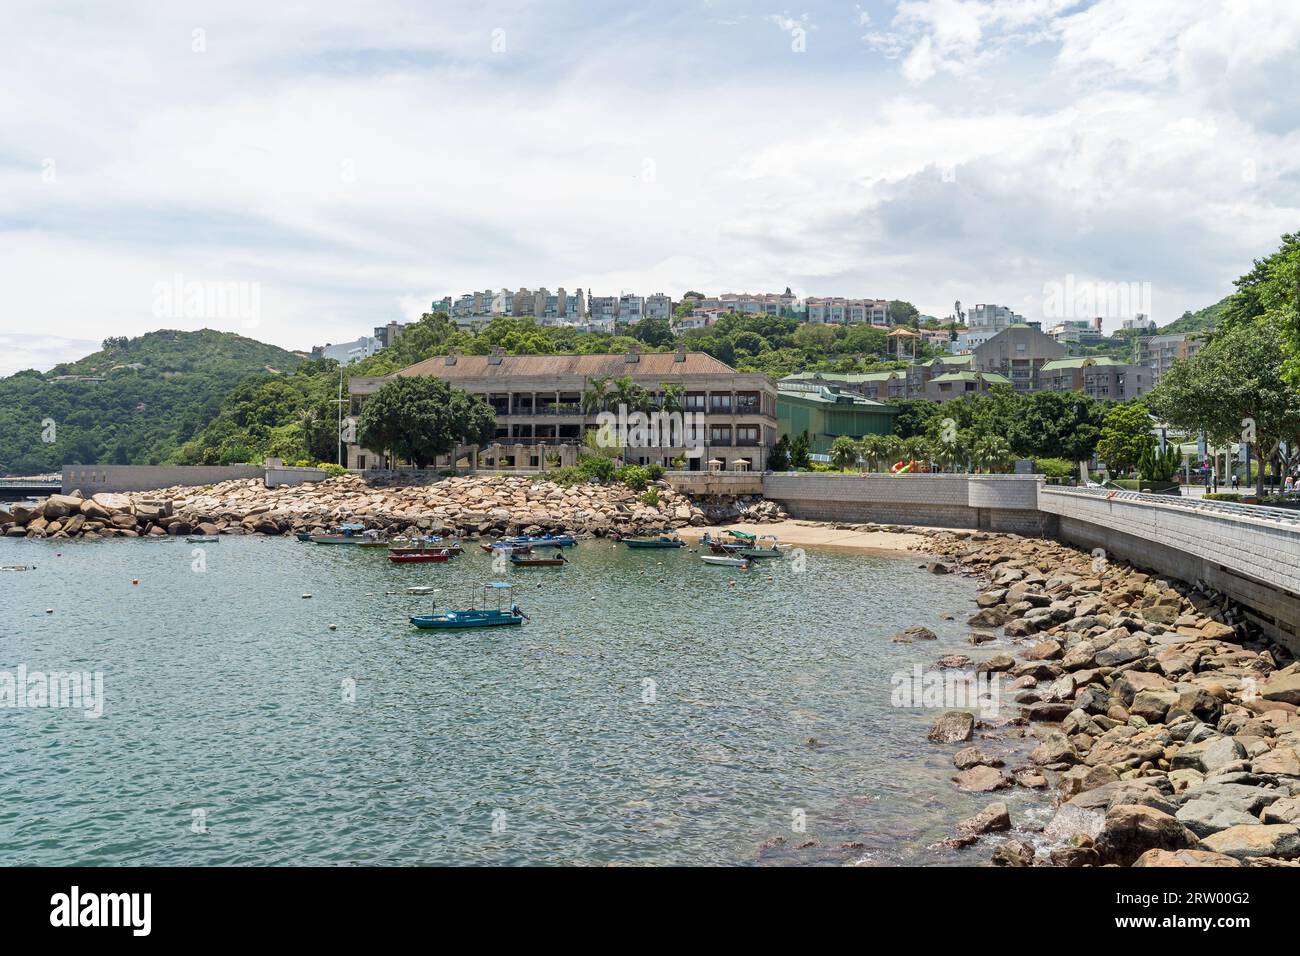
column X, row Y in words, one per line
column 916, row 448
column 891, row 448
column 844, row 452
column 626, row 392
column 672, row 396
column 596, row 395
column 873, row 449
column 991, row 452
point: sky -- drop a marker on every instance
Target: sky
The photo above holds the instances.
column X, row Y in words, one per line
column 303, row 172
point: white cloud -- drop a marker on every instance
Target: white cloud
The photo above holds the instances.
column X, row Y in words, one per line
column 357, row 163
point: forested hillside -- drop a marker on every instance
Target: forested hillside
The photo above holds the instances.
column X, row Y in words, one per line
column 136, row 401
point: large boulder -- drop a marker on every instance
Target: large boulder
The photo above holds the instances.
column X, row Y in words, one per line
column 1185, row 858
column 59, row 506
column 981, row 780
column 1130, row 830
column 993, row 818
column 1284, row 688
column 953, row 727
column 1250, row 841
column 113, row 503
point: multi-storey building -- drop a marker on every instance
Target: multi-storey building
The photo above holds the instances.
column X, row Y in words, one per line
column 631, row 308
column 1077, row 331
column 827, row 412
column 995, row 317
column 1160, row 352
column 1017, row 353
column 345, row 353
column 758, row 303
column 1099, row 377
column 659, row 306
column 604, row 311
column 951, row 385
column 540, row 408
column 848, row 311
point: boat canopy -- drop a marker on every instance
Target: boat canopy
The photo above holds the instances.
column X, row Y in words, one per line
column 742, row 535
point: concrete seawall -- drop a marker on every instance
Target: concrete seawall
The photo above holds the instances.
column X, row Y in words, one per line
column 990, row 502
column 1253, row 560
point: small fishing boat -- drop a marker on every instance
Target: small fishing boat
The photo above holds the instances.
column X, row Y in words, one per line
column 303, row 535
column 425, row 543
column 766, row 546
column 351, row 533
column 662, row 541
column 507, row 548
column 523, row 562
column 475, row 617
column 419, row 557
column 422, row 589
column 203, row 539
column 725, row 560
column 543, row 540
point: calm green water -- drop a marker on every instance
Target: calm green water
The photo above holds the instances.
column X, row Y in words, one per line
column 225, row 691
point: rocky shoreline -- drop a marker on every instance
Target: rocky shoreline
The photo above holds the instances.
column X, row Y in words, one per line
column 1163, row 723
column 460, row 506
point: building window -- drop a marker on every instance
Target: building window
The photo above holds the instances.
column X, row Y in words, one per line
column 747, row 434
column 719, row 434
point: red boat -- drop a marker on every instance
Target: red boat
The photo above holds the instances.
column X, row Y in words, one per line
column 419, row 557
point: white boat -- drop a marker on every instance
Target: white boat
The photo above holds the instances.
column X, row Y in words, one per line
column 422, row 589
column 725, row 560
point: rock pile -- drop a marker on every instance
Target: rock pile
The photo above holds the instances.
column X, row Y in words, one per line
column 464, row 506
column 1165, row 721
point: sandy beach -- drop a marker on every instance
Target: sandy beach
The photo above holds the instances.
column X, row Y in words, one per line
column 807, row 534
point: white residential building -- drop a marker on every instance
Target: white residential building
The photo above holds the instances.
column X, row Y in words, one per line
column 848, row 311
column 659, row 306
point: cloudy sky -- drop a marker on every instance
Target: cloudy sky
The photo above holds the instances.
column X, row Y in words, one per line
column 346, row 163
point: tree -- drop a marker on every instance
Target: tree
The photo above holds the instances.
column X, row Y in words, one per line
column 596, row 395
column 1125, row 435
column 903, row 313
column 800, row 457
column 844, row 452
column 1236, row 388
column 778, row 458
column 417, row 418
column 873, row 449
column 654, row 332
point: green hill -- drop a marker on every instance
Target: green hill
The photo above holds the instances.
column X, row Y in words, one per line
column 136, row 401
column 1200, row 321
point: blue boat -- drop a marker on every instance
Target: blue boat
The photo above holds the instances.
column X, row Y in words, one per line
column 541, row 540
column 475, row 617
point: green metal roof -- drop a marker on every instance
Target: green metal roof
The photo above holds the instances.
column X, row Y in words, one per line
column 1080, row 362
column 951, row 360
column 847, row 379
column 828, row 396
column 989, row 378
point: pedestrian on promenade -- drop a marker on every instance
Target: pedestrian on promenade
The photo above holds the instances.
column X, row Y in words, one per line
column 1234, row 481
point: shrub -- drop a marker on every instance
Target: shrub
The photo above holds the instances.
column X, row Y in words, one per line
column 634, row 476
column 333, row 469
column 650, row 497
column 654, row 472
column 567, row 476
column 1055, row 467
column 599, row 469
column 1222, row 496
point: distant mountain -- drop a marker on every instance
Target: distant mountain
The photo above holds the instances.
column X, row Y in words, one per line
column 135, row 401
column 1201, row 321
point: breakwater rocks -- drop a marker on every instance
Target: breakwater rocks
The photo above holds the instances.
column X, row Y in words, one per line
column 1161, row 721
column 465, row 506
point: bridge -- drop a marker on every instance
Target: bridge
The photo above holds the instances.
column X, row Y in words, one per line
column 17, row 489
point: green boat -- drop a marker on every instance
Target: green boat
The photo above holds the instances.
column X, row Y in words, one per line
column 662, row 541
column 475, row 617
